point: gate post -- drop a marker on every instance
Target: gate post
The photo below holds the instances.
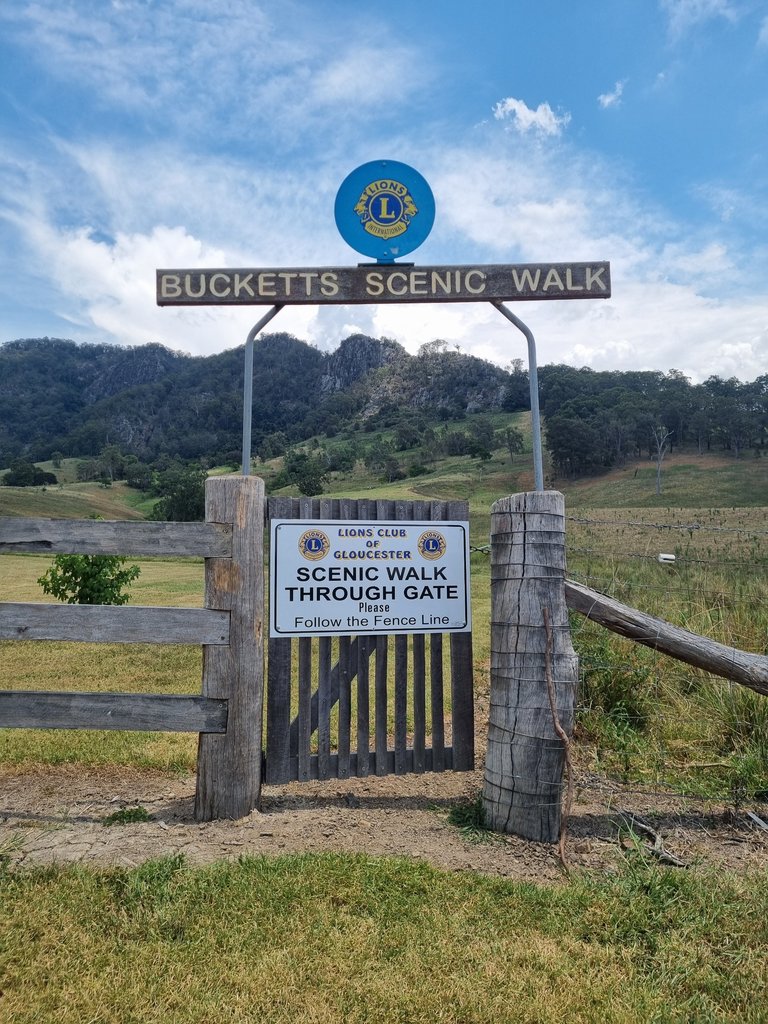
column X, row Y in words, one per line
column 229, row 764
column 525, row 758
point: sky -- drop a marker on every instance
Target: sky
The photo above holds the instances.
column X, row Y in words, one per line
column 145, row 134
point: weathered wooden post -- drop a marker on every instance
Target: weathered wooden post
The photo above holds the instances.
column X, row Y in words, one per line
column 526, row 756
column 229, row 764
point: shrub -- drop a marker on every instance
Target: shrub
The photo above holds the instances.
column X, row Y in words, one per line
column 89, row 579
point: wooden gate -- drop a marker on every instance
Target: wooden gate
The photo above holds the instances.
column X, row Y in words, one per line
column 393, row 687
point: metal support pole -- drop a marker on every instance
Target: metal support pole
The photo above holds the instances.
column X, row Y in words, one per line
column 533, row 381
column 248, row 386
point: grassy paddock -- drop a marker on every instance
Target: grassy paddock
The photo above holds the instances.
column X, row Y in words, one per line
column 122, row 668
column 341, row 938
column 650, row 718
column 643, row 717
column 142, row 668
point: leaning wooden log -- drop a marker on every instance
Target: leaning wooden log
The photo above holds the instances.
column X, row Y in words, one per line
column 742, row 667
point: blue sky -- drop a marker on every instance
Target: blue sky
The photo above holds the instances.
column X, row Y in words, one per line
column 137, row 134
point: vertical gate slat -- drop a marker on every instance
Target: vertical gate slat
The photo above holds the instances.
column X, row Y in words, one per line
column 401, row 704
column 462, row 705
column 279, row 711
column 366, row 508
column 380, row 685
column 324, row 708
column 421, row 510
column 346, row 508
column 305, row 708
column 436, row 692
column 419, row 703
column 345, row 706
column 363, row 704
column 462, row 698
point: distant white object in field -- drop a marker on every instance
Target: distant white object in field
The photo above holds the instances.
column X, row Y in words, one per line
column 666, row 559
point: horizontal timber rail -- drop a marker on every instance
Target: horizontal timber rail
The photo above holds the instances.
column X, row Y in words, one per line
column 97, row 623
column 750, row 670
column 32, row 709
column 99, row 537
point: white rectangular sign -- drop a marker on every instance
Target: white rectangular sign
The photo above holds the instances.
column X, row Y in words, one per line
column 340, row 577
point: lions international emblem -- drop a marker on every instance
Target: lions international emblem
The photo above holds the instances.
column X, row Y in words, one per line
column 432, row 545
column 314, row 545
column 385, row 208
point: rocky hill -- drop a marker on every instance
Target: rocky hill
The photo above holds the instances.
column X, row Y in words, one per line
column 57, row 396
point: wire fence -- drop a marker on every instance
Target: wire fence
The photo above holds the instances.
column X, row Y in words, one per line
column 646, row 724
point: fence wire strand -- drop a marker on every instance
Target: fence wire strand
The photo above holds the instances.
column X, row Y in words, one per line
column 685, row 719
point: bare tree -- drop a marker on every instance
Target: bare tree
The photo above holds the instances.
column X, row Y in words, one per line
column 661, row 438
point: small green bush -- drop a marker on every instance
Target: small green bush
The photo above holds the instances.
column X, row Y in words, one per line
column 89, row 579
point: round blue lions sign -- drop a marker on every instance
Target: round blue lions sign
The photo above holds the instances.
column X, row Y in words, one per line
column 384, row 209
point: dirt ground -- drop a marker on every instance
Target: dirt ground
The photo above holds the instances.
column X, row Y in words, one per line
column 55, row 815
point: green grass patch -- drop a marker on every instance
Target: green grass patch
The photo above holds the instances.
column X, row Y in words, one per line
column 72, row 501
column 342, row 938
column 468, row 816
column 127, row 816
column 688, row 480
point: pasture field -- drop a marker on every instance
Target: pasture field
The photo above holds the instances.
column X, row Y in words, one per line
column 321, row 938
column 642, row 716
column 136, row 668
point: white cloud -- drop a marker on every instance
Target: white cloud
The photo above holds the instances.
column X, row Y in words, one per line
column 99, row 217
column 612, row 99
column 543, row 120
column 684, row 15
column 500, row 202
column 184, row 65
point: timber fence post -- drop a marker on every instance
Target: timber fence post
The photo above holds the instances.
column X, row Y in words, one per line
column 525, row 757
column 229, row 764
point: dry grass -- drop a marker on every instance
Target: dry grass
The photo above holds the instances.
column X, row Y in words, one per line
column 339, row 938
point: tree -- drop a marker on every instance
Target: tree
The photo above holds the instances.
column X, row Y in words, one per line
column 661, row 438
column 27, row 474
column 514, row 440
column 183, row 494
column 306, row 471
column 89, row 579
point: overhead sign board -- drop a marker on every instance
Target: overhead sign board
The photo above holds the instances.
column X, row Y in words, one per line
column 384, row 209
column 330, row 578
column 383, row 283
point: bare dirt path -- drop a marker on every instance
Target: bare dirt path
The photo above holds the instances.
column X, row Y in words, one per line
column 55, row 815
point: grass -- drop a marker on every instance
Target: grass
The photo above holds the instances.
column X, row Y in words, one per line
column 649, row 718
column 331, row 938
column 122, row 668
column 642, row 717
column 127, row 816
column 72, row 501
column 468, row 816
column 343, row 938
column 689, row 480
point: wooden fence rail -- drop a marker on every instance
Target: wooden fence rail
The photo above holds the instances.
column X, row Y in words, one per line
column 104, row 624
column 742, row 667
column 139, row 712
column 227, row 715
column 100, row 537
